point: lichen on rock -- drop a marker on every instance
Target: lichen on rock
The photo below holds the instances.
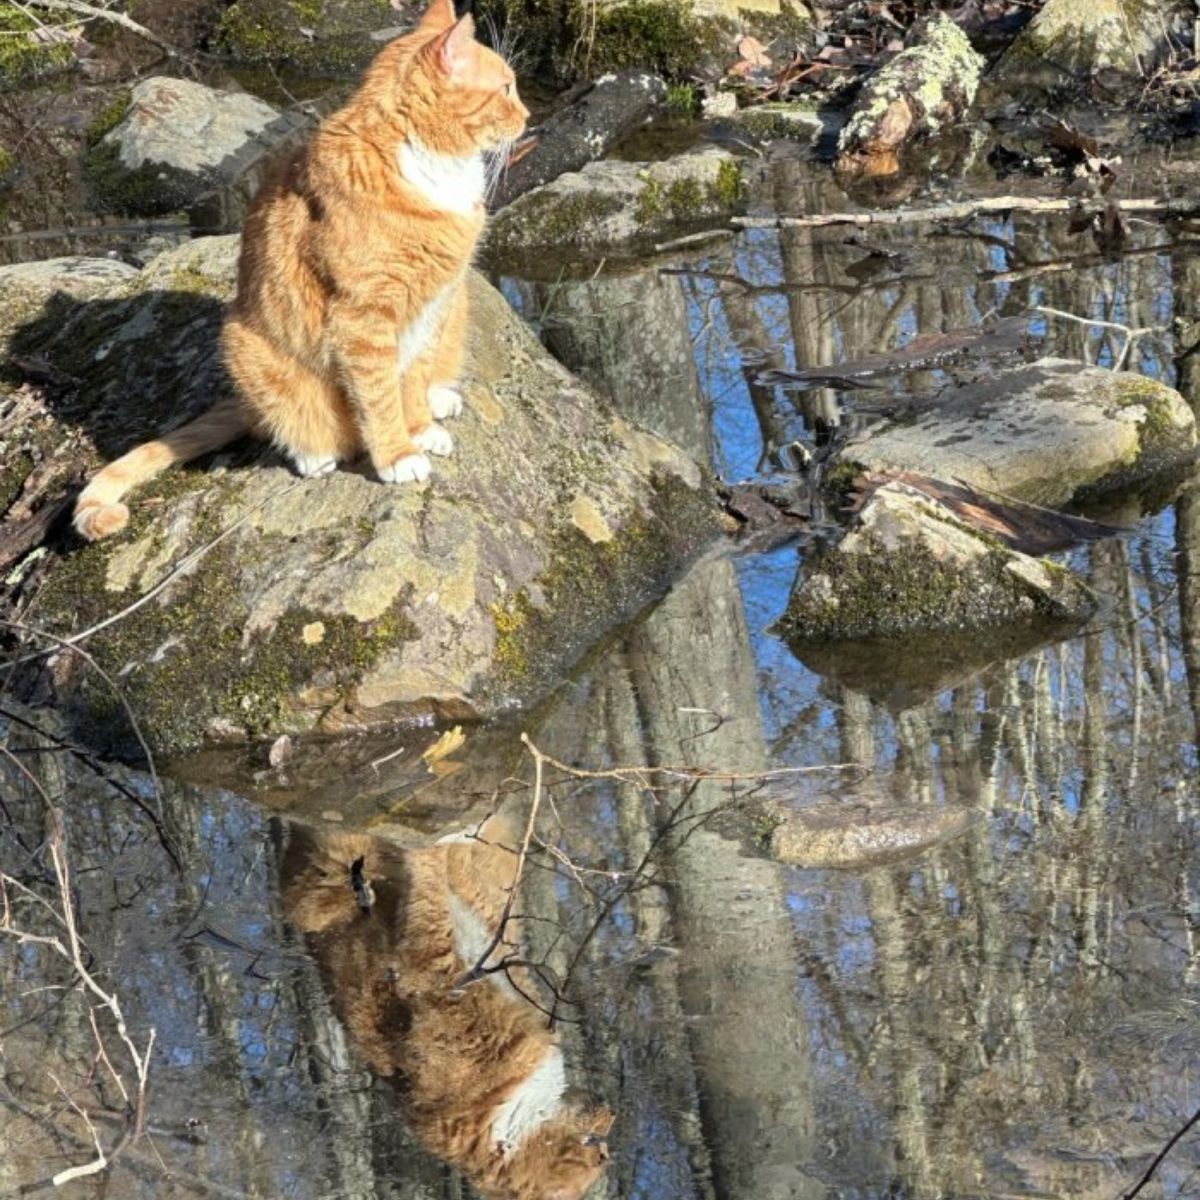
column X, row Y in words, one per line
column 464, row 597
column 915, row 98
column 907, row 564
column 611, row 203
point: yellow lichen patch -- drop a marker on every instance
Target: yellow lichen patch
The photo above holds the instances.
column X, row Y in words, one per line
column 589, row 520
column 647, row 452
column 485, row 404
column 313, row 633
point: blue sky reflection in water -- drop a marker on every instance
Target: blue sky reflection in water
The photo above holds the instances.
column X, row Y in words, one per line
column 1011, row 1014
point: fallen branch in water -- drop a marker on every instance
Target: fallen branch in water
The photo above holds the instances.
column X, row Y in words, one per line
column 962, row 209
column 1132, row 335
column 68, row 946
column 1162, row 1154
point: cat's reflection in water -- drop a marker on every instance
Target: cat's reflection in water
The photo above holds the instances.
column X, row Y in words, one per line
column 481, row 1076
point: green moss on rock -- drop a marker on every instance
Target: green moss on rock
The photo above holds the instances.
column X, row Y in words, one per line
column 150, row 190
column 108, row 118
column 585, row 582
column 23, row 60
column 319, row 37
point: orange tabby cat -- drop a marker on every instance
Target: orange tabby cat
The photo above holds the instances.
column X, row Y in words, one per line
column 482, row 1077
column 347, row 331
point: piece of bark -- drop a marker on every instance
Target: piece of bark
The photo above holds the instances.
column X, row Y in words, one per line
column 584, row 130
column 924, row 92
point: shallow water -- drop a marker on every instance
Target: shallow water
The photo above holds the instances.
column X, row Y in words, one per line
column 1011, row 1014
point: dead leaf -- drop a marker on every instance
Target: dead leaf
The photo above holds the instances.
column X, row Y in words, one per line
column 436, row 754
column 280, row 752
column 752, row 51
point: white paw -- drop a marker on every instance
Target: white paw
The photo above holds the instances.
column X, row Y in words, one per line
column 435, row 440
column 310, row 465
column 412, row 468
column 444, row 402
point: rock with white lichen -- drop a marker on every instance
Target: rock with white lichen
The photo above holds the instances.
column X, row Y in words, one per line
column 614, row 204
column 1046, row 433
column 178, row 141
column 336, row 603
column 911, row 103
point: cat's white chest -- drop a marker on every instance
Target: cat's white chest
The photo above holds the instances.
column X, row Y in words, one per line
column 445, row 181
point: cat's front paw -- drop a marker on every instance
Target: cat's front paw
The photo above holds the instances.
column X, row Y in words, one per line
column 312, row 465
column 411, row 468
column 444, row 402
column 435, row 440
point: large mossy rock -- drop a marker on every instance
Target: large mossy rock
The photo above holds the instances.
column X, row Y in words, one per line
column 616, row 205
column 342, row 602
column 1046, row 433
column 677, row 38
column 908, row 565
column 1072, row 41
column 320, row 37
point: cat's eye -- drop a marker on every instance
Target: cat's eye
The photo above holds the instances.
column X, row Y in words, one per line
column 507, row 89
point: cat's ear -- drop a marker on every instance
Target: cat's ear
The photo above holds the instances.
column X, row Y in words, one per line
column 453, row 50
column 438, row 16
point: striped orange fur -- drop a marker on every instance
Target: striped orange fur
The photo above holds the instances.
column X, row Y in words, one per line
column 347, row 331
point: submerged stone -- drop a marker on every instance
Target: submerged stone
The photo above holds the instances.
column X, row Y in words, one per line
column 1045, row 433
column 907, row 564
column 611, row 204
column 853, row 835
column 340, row 602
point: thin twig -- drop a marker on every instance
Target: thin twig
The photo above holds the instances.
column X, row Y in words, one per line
column 91, row 12
column 1145, row 1179
column 173, row 574
column 959, row 211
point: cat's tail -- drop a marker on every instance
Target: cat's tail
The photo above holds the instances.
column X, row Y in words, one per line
column 99, row 511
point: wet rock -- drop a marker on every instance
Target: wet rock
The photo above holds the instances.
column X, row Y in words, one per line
column 923, row 92
column 320, row 37
column 853, row 835
column 610, row 204
column 1045, row 433
column 782, row 119
column 1071, row 41
column 178, row 140
column 342, row 602
column 907, row 564
column 583, row 131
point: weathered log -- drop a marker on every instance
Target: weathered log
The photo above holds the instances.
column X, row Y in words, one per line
column 612, row 107
column 922, row 93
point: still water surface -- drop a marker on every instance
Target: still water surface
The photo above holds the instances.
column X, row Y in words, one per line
column 1013, row 1014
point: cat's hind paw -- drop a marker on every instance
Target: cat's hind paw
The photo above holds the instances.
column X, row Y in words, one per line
column 412, row 468
column 445, row 402
column 312, row 465
column 435, row 440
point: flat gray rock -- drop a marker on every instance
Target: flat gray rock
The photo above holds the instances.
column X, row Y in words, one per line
column 1046, row 434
